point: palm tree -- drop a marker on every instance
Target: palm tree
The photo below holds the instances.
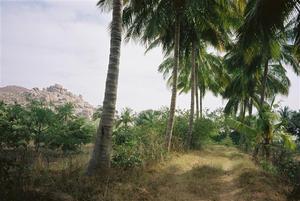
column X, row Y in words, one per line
column 126, row 118
column 162, row 22
column 266, row 17
column 245, row 87
column 265, row 36
column 210, row 76
column 101, row 156
column 148, row 117
column 264, row 130
column 158, row 22
column 65, row 112
column 209, row 26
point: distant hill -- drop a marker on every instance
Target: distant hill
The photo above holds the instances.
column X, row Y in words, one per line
column 55, row 94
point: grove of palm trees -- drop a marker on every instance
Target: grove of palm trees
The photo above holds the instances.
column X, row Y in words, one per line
column 248, row 150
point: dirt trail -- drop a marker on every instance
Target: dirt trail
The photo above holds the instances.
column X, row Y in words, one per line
column 218, row 174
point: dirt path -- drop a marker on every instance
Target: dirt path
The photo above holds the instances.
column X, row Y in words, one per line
column 217, row 174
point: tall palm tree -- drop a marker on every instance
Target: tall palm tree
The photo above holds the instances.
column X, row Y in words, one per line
column 163, row 22
column 266, row 17
column 265, row 35
column 244, row 88
column 101, row 156
column 211, row 75
column 158, row 22
column 197, row 92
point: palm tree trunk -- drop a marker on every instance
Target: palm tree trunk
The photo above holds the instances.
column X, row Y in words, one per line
column 101, row 155
column 241, row 111
column 250, row 106
column 244, row 109
column 264, row 81
column 201, row 98
column 191, row 120
column 170, row 124
column 262, row 99
column 197, row 94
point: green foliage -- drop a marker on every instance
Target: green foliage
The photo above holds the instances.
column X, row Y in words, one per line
column 14, row 123
column 291, row 121
column 181, row 127
column 97, row 113
column 203, row 132
column 268, row 167
column 283, row 159
column 141, row 141
column 45, row 126
column 70, row 135
column 14, row 174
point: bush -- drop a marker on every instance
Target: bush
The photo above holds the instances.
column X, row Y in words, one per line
column 14, row 173
column 137, row 146
column 46, row 127
column 180, row 130
column 268, row 167
column 203, row 132
column 14, row 126
column 286, row 165
column 70, row 135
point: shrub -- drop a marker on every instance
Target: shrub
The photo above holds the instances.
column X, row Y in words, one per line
column 286, row 165
column 180, row 130
column 14, row 126
column 268, row 167
column 70, row 135
column 204, row 130
column 44, row 126
column 136, row 146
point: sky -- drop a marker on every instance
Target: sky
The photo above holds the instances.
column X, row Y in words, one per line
column 44, row 42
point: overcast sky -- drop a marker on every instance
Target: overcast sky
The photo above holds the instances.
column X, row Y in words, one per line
column 67, row 42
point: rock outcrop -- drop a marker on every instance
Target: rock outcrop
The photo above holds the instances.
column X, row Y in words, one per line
column 53, row 95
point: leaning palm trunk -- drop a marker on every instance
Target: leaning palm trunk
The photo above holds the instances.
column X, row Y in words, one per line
column 191, row 120
column 170, row 124
column 100, row 159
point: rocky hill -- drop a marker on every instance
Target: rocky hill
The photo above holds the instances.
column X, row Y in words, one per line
column 55, row 94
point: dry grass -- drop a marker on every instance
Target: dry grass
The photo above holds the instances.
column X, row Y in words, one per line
column 216, row 173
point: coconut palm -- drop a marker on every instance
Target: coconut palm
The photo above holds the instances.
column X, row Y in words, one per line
column 265, row 129
column 162, row 22
column 265, row 37
column 149, row 117
column 266, row 17
column 210, row 75
column 245, row 87
column 101, row 155
column 65, row 112
column 158, row 21
column 126, row 118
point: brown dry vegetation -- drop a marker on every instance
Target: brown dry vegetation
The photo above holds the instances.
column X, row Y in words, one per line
column 216, row 173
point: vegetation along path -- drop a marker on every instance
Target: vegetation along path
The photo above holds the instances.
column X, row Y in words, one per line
column 216, row 173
